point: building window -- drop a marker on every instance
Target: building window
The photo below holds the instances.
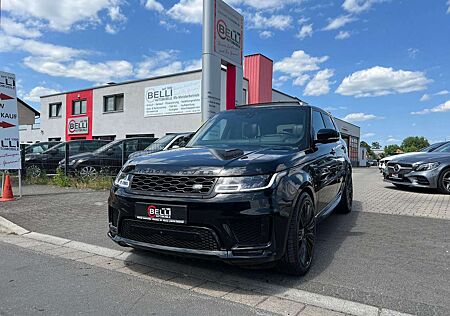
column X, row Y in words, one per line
column 79, row 107
column 55, row 110
column 113, row 103
column 353, row 149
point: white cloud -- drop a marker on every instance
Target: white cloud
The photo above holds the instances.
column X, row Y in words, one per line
column 110, row 29
column 154, row 5
column 448, row 10
column 360, row 117
column 187, row 11
column 265, row 34
column 115, row 14
column 35, row 93
column 14, row 28
column 37, row 48
column 442, row 92
column 412, row 52
column 319, row 84
column 262, row 4
column 368, row 135
column 60, row 15
column 342, row 35
column 301, row 80
column 393, row 140
column 425, row 97
column 258, row 21
column 339, row 22
column 377, row 81
column 358, row 6
column 101, row 72
column 163, row 63
column 444, row 107
column 305, row 31
column 298, row 63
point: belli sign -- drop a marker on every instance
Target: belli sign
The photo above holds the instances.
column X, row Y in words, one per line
column 228, row 39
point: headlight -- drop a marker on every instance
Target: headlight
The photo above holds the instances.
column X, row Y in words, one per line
column 247, row 184
column 426, row 166
column 27, row 158
column 122, row 180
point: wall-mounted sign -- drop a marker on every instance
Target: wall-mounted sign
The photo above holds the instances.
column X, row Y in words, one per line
column 78, row 125
column 228, row 33
column 9, row 123
column 173, row 99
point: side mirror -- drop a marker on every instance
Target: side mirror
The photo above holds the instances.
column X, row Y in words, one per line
column 327, row 135
column 175, row 147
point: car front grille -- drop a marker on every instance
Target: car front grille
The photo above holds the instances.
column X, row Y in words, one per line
column 251, row 231
column 169, row 235
column 404, row 168
column 172, row 184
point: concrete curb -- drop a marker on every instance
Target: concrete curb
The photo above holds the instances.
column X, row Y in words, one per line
column 119, row 260
column 9, row 227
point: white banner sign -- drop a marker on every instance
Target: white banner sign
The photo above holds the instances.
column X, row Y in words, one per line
column 173, row 99
column 9, row 123
column 78, row 125
column 228, row 35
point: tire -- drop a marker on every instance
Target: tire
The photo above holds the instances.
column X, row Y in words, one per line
column 299, row 251
column 346, row 203
column 444, row 181
column 88, row 172
column 33, row 171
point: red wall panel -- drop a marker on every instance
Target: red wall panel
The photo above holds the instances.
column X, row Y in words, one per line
column 74, row 96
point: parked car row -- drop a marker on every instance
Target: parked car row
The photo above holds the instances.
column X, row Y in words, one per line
column 90, row 158
column 429, row 168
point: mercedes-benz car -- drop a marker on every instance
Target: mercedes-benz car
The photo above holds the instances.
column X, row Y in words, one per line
column 424, row 170
column 249, row 188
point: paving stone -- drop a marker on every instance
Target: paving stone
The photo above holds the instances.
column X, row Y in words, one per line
column 245, row 297
column 317, row 311
column 213, row 289
column 280, row 306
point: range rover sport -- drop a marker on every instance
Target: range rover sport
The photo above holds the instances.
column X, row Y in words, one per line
column 248, row 188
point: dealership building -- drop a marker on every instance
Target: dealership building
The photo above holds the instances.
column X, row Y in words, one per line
column 155, row 107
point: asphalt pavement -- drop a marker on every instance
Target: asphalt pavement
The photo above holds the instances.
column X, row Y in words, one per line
column 391, row 251
column 36, row 284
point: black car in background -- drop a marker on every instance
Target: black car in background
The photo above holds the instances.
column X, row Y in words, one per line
column 48, row 161
column 39, row 148
column 171, row 141
column 249, row 188
column 105, row 160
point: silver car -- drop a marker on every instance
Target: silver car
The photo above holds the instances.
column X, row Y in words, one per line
column 425, row 170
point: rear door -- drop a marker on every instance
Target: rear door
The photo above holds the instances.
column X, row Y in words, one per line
column 324, row 167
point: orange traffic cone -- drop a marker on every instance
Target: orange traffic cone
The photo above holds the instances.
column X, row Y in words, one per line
column 7, row 190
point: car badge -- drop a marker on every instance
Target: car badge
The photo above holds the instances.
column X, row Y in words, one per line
column 397, row 168
column 197, row 187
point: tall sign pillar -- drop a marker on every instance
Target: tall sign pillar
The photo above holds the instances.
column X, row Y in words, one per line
column 222, row 41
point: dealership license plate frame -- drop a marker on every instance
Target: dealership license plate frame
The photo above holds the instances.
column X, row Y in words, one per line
column 178, row 213
column 396, row 176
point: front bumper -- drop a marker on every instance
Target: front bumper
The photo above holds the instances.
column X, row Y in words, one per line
column 246, row 228
column 417, row 179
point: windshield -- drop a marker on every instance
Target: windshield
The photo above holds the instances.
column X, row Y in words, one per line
column 283, row 126
column 443, row 149
column 432, row 147
column 107, row 146
column 161, row 142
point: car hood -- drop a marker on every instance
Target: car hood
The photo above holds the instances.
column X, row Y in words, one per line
column 218, row 162
column 424, row 158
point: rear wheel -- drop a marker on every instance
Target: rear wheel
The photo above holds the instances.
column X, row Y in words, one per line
column 33, row 171
column 346, row 203
column 444, row 181
column 301, row 239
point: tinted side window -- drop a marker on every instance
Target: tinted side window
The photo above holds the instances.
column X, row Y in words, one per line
column 317, row 122
column 145, row 142
column 328, row 121
column 74, row 148
column 131, row 146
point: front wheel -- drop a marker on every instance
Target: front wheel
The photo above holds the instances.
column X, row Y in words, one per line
column 301, row 239
column 444, row 182
column 33, row 171
column 88, row 172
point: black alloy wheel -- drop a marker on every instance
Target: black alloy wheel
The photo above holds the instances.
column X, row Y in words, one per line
column 346, row 203
column 301, row 239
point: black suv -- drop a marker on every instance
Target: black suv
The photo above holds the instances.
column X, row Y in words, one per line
column 107, row 159
column 47, row 161
column 248, row 188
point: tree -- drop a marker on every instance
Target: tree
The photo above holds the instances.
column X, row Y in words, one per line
column 414, row 143
column 376, row 145
column 390, row 150
column 370, row 152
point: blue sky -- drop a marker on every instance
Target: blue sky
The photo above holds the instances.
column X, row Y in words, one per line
column 382, row 64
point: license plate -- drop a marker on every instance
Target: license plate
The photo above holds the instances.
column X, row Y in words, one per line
column 161, row 212
column 397, row 176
